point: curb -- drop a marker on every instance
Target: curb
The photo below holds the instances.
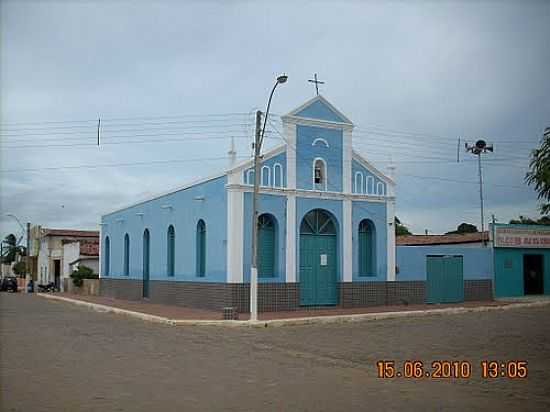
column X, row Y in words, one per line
column 295, row 321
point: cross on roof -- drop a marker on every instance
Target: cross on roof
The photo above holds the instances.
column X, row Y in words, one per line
column 317, row 83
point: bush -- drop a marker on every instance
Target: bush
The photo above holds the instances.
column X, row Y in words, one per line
column 83, row 272
column 19, row 269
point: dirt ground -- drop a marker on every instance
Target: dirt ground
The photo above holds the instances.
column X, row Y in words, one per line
column 57, row 356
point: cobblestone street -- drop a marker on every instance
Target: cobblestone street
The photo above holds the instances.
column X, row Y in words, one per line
column 56, row 356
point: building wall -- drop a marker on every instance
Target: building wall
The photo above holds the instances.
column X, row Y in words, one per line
column 509, row 270
column 273, row 176
column 275, row 205
column 411, row 261
column 375, row 212
column 306, row 153
column 184, row 216
column 71, row 252
column 363, row 181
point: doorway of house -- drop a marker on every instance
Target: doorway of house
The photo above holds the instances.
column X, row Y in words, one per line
column 57, row 274
column 533, row 273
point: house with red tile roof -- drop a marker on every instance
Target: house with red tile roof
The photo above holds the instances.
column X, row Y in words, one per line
column 47, row 252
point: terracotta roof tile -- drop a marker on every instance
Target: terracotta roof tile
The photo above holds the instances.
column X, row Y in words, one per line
column 419, row 240
column 89, row 248
column 71, row 233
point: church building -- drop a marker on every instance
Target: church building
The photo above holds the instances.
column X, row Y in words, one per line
column 326, row 229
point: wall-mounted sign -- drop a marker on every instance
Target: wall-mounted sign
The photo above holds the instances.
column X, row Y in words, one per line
column 323, row 260
column 522, row 237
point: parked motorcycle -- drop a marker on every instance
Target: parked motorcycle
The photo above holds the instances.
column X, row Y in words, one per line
column 50, row 287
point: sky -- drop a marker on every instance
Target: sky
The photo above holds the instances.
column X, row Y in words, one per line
column 173, row 81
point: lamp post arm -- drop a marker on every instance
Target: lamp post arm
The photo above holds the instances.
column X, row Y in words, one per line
column 267, row 113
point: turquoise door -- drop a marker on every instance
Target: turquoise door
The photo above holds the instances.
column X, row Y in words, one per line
column 266, row 246
column 146, row 263
column 445, row 279
column 318, row 260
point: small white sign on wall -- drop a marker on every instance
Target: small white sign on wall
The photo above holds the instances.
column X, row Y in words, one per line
column 323, row 260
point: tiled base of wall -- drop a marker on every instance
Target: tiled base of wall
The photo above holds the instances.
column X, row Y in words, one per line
column 481, row 289
column 273, row 297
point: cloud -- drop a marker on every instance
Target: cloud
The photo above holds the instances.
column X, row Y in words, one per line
column 413, row 77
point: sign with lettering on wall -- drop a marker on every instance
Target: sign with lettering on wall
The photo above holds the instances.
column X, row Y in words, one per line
column 522, row 237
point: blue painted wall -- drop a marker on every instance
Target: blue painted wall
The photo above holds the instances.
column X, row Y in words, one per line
column 509, row 270
column 376, row 212
column 334, row 207
column 275, row 205
column 411, row 261
column 370, row 181
column 184, row 217
column 306, row 153
column 319, row 110
column 248, row 178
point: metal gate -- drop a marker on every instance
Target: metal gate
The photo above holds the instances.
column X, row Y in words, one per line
column 445, row 279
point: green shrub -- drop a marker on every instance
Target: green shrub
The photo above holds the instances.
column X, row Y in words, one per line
column 83, row 272
column 19, row 269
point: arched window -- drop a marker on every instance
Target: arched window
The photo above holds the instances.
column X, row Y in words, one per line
column 126, row 255
column 266, row 176
column 277, row 175
column 266, row 245
column 367, row 248
column 380, row 188
column 170, row 251
column 107, row 255
column 201, row 248
column 359, row 182
column 370, row 185
column 319, row 174
column 250, row 176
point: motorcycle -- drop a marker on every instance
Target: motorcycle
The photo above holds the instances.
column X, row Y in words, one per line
column 50, row 287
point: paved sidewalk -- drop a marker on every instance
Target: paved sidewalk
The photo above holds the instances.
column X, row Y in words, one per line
column 177, row 315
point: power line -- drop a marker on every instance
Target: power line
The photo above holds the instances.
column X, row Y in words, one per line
column 96, row 166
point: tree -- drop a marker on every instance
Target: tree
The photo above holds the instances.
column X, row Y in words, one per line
column 401, row 229
column 524, row 220
column 539, row 172
column 10, row 249
column 464, row 228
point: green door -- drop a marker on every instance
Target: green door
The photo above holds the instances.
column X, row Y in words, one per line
column 318, row 260
column 146, row 262
column 266, row 246
column 445, row 279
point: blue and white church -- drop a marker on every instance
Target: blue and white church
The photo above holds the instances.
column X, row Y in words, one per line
column 326, row 228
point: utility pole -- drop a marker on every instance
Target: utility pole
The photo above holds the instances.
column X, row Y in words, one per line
column 254, row 267
column 258, row 140
column 477, row 149
column 28, row 275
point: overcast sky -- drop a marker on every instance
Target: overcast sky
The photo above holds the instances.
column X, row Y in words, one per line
column 172, row 81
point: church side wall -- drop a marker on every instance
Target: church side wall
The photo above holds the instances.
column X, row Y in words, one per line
column 182, row 209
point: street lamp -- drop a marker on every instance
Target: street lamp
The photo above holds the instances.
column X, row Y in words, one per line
column 258, row 140
column 19, row 223
column 28, row 240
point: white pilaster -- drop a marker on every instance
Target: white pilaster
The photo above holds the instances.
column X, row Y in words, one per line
column 289, row 130
column 390, row 213
column 347, row 147
column 347, row 242
column 235, row 230
column 291, row 238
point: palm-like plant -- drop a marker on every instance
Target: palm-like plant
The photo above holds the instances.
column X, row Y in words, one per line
column 11, row 249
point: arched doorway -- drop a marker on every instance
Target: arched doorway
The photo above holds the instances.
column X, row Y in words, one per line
column 318, row 259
